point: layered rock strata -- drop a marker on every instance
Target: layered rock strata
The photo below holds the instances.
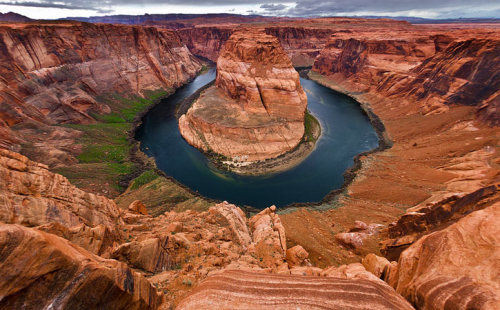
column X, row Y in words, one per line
column 256, row 109
column 429, row 71
column 245, row 290
column 429, row 217
column 456, row 267
column 43, row 271
column 452, row 268
column 56, row 73
column 31, row 195
column 175, row 251
column 302, row 39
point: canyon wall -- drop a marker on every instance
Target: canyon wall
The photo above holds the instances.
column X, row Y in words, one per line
column 426, row 70
column 302, row 39
column 57, row 73
column 302, row 44
column 206, row 41
column 256, row 109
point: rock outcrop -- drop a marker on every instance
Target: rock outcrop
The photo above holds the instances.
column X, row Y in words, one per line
column 43, row 271
column 245, row 290
column 269, row 240
column 256, row 111
column 31, row 195
column 429, row 217
column 452, row 268
column 206, row 41
column 357, row 235
column 302, row 43
column 56, row 73
column 302, row 39
column 455, row 268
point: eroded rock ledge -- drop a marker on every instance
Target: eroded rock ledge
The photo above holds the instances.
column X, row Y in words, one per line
column 256, row 109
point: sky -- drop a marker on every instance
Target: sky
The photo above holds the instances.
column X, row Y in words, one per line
column 53, row 9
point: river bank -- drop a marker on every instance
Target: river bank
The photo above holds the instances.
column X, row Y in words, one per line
column 347, row 133
column 278, row 164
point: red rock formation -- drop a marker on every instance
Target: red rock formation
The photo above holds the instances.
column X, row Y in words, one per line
column 297, row 256
column 269, row 240
column 54, row 73
column 32, row 196
column 41, row 270
column 302, row 39
column 206, row 41
column 138, row 207
column 424, row 69
column 452, row 268
column 455, row 268
column 357, row 235
column 245, row 290
column 430, row 217
column 301, row 44
column 256, row 110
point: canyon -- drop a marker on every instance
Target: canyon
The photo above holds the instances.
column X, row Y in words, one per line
column 60, row 73
column 416, row 227
column 257, row 107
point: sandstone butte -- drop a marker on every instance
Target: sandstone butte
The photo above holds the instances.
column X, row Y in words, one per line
column 256, row 109
column 435, row 191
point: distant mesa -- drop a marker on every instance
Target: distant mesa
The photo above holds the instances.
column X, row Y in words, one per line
column 13, row 17
column 256, row 109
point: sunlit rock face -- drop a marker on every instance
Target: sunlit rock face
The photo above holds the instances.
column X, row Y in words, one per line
column 427, row 71
column 256, row 109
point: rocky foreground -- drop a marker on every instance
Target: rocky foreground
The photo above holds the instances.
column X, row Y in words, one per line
column 256, row 109
column 68, row 244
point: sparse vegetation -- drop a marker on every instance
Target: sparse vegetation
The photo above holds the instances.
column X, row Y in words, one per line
column 105, row 144
column 187, row 282
column 204, row 68
column 311, row 125
column 145, row 178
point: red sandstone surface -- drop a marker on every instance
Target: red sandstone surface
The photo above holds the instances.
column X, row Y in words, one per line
column 256, row 109
column 435, row 191
column 57, row 73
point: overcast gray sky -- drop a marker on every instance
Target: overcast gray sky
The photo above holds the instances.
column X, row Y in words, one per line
column 50, row 9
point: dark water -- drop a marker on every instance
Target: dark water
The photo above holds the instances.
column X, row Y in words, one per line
column 346, row 132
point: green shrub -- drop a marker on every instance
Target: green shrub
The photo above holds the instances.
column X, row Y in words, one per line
column 145, row 178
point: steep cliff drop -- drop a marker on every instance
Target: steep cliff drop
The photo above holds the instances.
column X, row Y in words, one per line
column 60, row 73
column 256, row 109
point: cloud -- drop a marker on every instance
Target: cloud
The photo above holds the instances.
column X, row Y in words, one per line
column 97, row 6
column 391, row 7
column 269, row 7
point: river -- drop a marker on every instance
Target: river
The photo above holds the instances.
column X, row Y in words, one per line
column 346, row 132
